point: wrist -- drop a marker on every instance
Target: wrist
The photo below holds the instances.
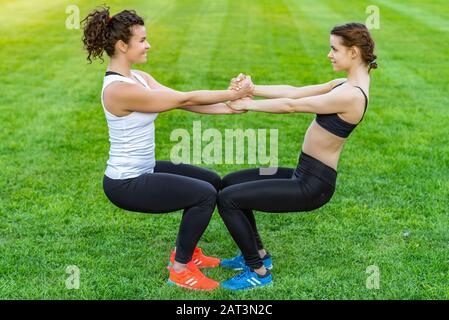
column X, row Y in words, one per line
column 247, row 105
column 234, row 94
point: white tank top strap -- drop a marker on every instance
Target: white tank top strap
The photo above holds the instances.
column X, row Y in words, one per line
column 140, row 78
column 115, row 77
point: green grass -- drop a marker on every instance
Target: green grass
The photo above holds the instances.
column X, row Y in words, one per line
column 393, row 174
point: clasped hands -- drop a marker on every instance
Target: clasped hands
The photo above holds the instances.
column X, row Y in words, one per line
column 243, row 83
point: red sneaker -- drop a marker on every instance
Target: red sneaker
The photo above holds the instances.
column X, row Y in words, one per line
column 203, row 261
column 194, row 280
column 199, row 259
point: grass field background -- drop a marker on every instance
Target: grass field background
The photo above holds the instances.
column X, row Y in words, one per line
column 390, row 208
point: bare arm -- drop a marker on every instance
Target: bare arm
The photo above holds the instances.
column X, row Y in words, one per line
column 287, row 91
column 137, row 98
column 217, row 108
column 331, row 102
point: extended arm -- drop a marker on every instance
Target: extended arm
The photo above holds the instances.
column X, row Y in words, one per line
column 287, row 91
column 331, row 102
column 217, row 108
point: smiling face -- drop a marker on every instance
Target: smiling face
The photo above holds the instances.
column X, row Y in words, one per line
column 341, row 56
column 137, row 47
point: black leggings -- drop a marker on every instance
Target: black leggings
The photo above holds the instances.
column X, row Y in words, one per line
column 308, row 187
column 170, row 188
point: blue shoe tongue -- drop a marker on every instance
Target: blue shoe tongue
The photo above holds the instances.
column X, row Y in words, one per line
column 245, row 273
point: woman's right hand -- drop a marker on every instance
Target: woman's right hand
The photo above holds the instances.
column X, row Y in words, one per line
column 234, row 84
column 243, row 84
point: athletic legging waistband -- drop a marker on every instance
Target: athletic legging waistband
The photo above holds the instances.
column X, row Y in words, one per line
column 311, row 166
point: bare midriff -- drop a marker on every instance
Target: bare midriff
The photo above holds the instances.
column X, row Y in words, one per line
column 323, row 145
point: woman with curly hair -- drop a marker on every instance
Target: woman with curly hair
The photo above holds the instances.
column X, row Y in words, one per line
column 133, row 179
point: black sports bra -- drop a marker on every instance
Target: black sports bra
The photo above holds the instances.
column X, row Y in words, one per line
column 336, row 125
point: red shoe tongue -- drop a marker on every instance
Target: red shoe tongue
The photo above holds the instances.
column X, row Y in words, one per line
column 192, row 267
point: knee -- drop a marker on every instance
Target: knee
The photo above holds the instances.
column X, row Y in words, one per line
column 326, row 197
column 211, row 177
column 225, row 199
column 216, row 182
column 209, row 195
column 226, row 181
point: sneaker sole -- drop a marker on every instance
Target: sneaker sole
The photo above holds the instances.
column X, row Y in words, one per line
column 250, row 288
column 172, row 283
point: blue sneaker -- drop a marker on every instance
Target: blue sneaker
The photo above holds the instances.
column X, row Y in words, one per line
column 238, row 262
column 247, row 280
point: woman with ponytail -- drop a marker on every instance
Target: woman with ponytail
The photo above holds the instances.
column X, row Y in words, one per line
column 339, row 106
column 133, row 179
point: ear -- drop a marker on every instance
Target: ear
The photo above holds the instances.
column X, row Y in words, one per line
column 354, row 51
column 122, row 46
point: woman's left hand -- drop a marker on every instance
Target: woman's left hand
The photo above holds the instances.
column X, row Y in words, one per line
column 239, row 105
column 234, row 111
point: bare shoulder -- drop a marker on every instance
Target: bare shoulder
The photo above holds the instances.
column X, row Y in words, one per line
column 353, row 101
column 119, row 89
column 348, row 94
column 337, row 82
column 115, row 94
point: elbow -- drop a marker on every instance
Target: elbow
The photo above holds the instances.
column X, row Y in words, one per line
column 185, row 99
column 289, row 106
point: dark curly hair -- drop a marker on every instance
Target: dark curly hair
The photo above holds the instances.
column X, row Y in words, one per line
column 357, row 34
column 101, row 31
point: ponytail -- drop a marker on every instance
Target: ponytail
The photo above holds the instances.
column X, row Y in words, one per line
column 95, row 33
column 101, row 31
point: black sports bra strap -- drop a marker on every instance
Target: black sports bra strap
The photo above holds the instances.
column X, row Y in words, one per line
column 366, row 98
column 338, row 85
column 108, row 73
column 366, row 102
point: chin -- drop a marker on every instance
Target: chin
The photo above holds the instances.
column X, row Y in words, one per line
column 336, row 68
column 140, row 61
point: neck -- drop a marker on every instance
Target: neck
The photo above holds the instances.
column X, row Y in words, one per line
column 121, row 66
column 358, row 75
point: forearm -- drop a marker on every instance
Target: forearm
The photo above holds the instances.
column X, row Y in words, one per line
column 217, row 108
column 208, row 97
column 273, row 91
column 286, row 91
column 281, row 105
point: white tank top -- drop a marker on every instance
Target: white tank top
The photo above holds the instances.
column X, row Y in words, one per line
column 131, row 137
